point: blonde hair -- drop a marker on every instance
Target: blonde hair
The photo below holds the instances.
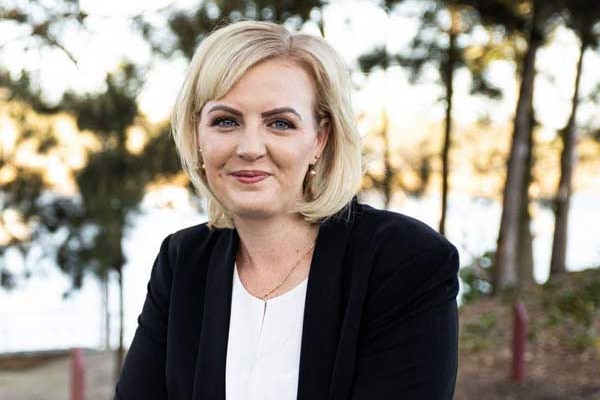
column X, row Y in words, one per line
column 218, row 64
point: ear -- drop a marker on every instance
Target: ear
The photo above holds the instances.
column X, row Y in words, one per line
column 323, row 133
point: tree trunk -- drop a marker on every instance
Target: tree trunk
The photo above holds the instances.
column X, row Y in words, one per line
column 388, row 172
column 525, row 246
column 505, row 266
column 567, row 165
column 448, row 76
column 525, row 241
column 120, row 355
column 106, row 305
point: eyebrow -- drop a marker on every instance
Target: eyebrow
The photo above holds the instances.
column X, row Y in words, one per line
column 274, row 111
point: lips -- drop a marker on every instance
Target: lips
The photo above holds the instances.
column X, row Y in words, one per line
column 250, row 176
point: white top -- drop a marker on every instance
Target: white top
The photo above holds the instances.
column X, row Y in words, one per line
column 263, row 349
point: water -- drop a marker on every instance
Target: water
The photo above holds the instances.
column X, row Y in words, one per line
column 35, row 317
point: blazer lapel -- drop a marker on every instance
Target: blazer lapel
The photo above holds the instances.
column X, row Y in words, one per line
column 323, row 311
column 209, row 380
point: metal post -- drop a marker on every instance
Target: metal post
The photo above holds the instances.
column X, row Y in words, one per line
column 519, row 345
column 77, row 375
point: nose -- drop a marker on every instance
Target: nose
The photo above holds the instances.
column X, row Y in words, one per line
column 251, row 144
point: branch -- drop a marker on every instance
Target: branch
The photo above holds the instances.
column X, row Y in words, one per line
column 55, row 43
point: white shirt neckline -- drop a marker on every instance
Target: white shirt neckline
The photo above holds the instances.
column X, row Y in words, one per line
column 282, row 297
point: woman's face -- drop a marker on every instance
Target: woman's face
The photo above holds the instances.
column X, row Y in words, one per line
column 259, row 140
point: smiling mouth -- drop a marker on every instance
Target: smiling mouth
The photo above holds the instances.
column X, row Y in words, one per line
column 250, row 177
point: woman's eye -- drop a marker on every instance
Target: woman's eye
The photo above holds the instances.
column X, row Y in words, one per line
column 223, row 122
column 282, row 124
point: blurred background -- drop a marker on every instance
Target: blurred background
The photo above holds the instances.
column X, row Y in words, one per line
column 479, row 117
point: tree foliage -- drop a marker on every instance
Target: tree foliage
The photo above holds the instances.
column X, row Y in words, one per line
column 44, row 23
column 185, row 28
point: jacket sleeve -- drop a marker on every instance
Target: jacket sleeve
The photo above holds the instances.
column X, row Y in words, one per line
column 409, row 341
column 143, row 373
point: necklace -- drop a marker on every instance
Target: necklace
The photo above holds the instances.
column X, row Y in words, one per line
column 264, row 296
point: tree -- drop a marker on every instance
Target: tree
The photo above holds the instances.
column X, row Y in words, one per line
column 22, row 184
column 436, row 42
column 112, row 183
column 525, row 238
column 540, row 16
column 583, row 17
column 42, row 23
column 110, row 186
column 190, row 26
column 391, row 177
column 38, row 25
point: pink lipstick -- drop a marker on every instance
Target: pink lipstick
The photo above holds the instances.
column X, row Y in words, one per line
column 250, row 176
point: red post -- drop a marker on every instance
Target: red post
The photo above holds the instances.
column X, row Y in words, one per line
column 519, row 345
column 77, row 375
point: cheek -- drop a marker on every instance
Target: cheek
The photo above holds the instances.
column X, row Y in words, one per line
column 294, row 166
column 216, row 153
column 300, row 148
column 213, row 161
column 293, row 160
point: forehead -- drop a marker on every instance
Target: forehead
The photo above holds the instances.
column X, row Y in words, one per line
column 272, row 83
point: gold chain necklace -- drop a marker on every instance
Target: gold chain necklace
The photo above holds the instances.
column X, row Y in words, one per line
column 264, row 296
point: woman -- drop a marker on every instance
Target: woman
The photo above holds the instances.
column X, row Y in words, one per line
column 292, row 289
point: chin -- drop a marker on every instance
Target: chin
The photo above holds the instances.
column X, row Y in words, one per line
column 254, row 208
column 254, row 212
column 260, row 204
column 259, row 207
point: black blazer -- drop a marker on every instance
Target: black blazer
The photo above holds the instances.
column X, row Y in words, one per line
column 380, row 318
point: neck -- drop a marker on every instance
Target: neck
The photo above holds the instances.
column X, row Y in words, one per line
column 267, row 246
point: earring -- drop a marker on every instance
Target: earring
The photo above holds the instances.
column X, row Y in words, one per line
column 203, row 165
column 312, row 171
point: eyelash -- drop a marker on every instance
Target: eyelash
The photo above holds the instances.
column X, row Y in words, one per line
column 217, row 121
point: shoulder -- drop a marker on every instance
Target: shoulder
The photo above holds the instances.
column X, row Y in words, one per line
column 405, row 233
column 406, row 254
column 188, row 240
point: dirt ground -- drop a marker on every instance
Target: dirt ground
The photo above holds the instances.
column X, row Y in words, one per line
column 480, row 377
column 48, row 377
column 555, row 368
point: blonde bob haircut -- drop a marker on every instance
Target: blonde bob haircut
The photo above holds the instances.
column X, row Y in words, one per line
column 221, row 59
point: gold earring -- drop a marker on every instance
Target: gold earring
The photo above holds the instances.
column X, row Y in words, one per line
column 312, row 171
column 203, row 165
